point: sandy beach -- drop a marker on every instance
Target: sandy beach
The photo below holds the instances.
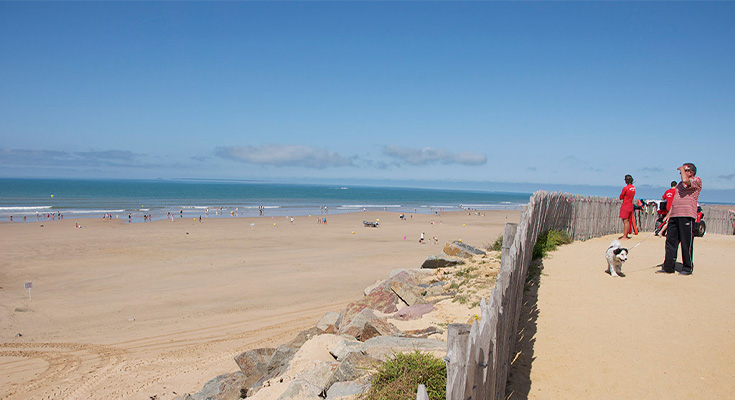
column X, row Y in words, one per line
column 122, row 310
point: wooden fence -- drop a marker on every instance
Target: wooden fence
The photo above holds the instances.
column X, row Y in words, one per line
column 479, row 355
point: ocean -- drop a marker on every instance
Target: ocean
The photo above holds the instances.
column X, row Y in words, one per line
column 95, row 198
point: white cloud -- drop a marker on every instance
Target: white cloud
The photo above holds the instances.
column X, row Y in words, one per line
column 429, row 155
column 284, row 155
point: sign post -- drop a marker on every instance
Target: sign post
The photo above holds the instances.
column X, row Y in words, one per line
column 28, row 286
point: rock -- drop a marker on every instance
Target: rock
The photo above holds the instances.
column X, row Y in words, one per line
column 254, row 364
column 434, row 262
column 372, row 287
column 319, row 374
column 435, row 289
column 347, row 390
column 409, row 294
column 343, row 348
column 222, row 387
column 459, row 249
column 381, row 347
column 303, row 337
column 301, row 390
column 381, row 299
column 403, row 275
column 421, row 333
column 285, row 352
column 328, row 323
column 354, row 366
column 415, row 311
column 366, row 325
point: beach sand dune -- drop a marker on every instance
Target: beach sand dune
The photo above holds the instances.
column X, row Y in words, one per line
column 156, row 309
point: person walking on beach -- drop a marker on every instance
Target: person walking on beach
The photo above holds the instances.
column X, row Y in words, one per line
column 626, row 210
column 680, row 221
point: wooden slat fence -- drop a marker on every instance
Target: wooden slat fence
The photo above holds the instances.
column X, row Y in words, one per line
column 479, row 355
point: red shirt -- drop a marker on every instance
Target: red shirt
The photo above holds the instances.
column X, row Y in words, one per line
column 627, row 195
column 669, row 196
column 685, row 199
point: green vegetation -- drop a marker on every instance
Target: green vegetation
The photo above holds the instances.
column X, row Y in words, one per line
column 399, row 377
column 498, row 245
column 548, row 242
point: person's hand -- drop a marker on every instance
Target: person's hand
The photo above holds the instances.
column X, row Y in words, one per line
column 681, row 169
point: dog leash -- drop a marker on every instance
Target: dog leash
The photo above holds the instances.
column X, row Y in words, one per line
column 644, row 239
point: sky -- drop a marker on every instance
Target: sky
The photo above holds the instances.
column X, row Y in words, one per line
column 497, row 95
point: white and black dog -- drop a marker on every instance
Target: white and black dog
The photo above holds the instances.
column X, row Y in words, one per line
column 616, row 256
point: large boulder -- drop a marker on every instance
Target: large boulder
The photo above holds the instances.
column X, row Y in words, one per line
column 343, row 348
column 283, row 354
column 222, row 387
column 254, row 364
column 433, row 262
column 459, row 249
column 380, row 299
column 301, row 390
column 408, row 293
column 366, row 325
column 354, row 366
column 328, row 323
column 348, row 390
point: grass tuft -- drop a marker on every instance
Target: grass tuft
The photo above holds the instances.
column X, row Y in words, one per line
column 548, row 242
column 398, row 377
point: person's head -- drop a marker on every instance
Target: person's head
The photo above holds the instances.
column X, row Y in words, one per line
column 673, row 183
column 689, row 167
column 628, row 179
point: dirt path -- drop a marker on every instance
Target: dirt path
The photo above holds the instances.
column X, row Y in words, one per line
column 646, row 336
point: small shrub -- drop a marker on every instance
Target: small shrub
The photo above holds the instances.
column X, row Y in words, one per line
column 548, row 242
column 399, row 377
column 498, row 244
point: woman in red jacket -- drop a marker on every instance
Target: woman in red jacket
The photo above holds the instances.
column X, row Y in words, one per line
column 626, row 210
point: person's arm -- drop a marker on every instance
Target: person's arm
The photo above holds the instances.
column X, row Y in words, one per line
column 684, row 176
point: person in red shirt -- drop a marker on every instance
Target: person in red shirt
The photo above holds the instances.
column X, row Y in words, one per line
column 626, row 210
column 667, row 199
column 680, row 221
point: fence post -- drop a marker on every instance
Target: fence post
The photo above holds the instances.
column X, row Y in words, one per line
column 509, row 234
column 457, row 357
column 421, row 393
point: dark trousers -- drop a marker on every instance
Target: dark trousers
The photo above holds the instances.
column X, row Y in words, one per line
column 679, row 231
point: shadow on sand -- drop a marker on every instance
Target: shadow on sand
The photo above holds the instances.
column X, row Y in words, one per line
column 519, row 376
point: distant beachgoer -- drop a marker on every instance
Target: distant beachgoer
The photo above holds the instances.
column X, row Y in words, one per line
column 422, row 238
column 626, row 209
column 666, row 199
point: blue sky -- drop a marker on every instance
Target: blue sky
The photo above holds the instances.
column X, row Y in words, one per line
column 570, row 93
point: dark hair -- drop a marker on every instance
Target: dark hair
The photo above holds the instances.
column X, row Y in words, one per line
column 628, row 179
column 673, row 183
column 692, row 167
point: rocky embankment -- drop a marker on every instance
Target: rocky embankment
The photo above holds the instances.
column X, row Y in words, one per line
column 334, row 360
